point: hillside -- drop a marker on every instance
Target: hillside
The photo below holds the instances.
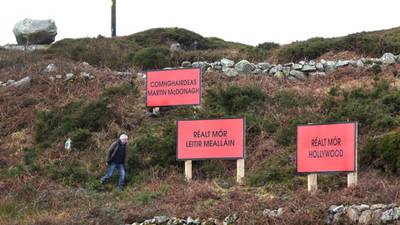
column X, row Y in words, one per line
column 42, row 183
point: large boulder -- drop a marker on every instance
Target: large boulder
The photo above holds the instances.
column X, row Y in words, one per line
column 227, row 62
column 230, row 72
column 388, row 58
column 245, row 66
column 24, row 82
column 28, row 32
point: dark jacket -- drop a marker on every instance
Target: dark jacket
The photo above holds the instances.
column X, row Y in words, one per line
column 114, row 149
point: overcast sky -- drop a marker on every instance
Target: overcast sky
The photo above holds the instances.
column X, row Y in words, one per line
column 251, row 22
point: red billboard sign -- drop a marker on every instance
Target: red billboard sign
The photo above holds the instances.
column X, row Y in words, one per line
column 211, row 139
column 326, row 148
column 173, row 87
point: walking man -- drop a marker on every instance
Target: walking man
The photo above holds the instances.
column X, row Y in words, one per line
column 116, row 158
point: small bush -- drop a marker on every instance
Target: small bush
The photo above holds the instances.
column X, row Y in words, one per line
column 81, row 139
column 152, row 58
column 268, row 46
column 276, row 169
column 235, row 100
column 146, row 197
column 256, row 124
column 30, row 155
column 120, row 90
column 376, row 69
column 59, row 122
column 375, row 108
column 383, row 153
column 71, row 174
column 154, row 146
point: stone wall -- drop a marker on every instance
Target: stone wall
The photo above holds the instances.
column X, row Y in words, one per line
column 294, row 71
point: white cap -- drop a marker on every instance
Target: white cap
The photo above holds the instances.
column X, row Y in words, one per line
column 123, row 137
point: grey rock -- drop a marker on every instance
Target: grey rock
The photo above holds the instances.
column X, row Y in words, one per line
column 317, row 74
column 360, row 63
column 245, row 66
column 87, row 76
column 297, row 66
column 266, row 212
column 30, row 31
column 288, row 64
column 342, row 63
column 264, row 66
column 279, row 75
column 320, row 67
column 230, row 72
column 353, row 214
column 58, row 76
column 275, row 69
column 227, row 62
column 378, row 206
column 22, row 83
column 298, row 74
column 186, row 64
column 265, row 71
column 230, row 220
column 279, row 212
column 361, row 207
column 273, row 213
column 311, row 63
column 335, row 208
column 161, row 219
column 376, row 216
column 390, row 215
column 308, row 68
column 217, row 66
column 353, row 63
column 69, row 76
column 26, row 48
column 256, row 71
column 202, row 65
column 365, row 217
column 51, row 68
column 192, row 221
column 388, row 58
column 10, row 82
column 302, row 63
column 330, row 66
column 175, row 47
column 398, row 58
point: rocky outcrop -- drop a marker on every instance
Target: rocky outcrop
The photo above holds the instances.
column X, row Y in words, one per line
column 165, row 220
column 363, row 214
column 35, row 32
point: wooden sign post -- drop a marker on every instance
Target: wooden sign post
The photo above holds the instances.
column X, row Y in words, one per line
column 240, row 171
column 312, row 183
column 188, row 170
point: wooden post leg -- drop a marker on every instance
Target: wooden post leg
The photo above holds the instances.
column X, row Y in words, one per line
column 240, row 171
column 352, row 179
column 312, row 184
column 188, row 170
column 156, row 110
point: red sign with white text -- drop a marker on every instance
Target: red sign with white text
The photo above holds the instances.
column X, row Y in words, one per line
column 173, row 87
column 211, row 139
column 326, row 148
